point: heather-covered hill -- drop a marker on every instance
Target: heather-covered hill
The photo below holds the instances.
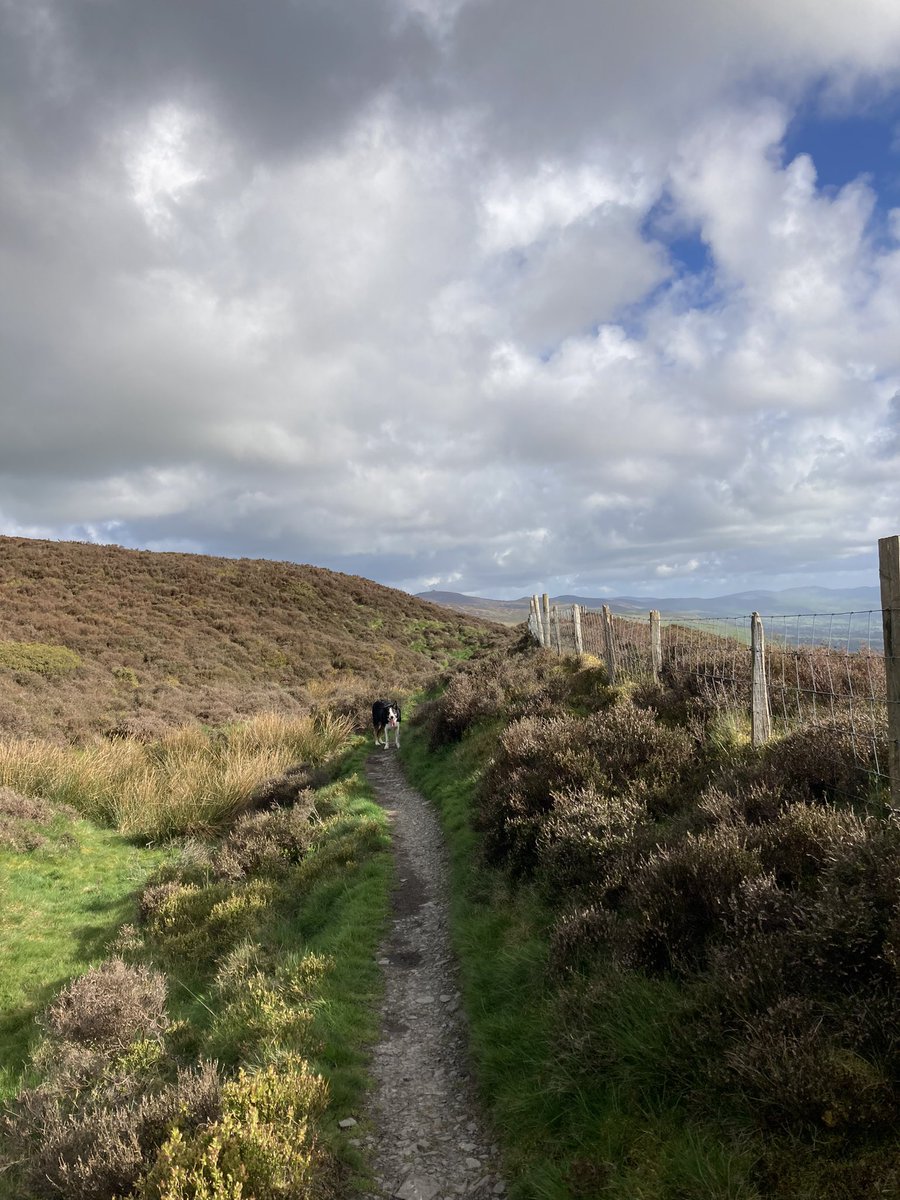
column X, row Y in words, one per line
column 99, row 638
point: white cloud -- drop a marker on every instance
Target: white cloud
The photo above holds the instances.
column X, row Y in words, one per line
column 434, row 339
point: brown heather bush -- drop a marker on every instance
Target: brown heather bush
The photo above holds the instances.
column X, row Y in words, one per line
column 589, row 842
column 796, row 1074
column 267, row 843
column 800, row 841
column 496, row 685
column 581, row 936
column 822, row 761
column 681, row 897
column 621, row 749
column 96, row 1144
column 111, row 1090
column 110, row 1006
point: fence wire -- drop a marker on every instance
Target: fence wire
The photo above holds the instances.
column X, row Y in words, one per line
column 822, row 669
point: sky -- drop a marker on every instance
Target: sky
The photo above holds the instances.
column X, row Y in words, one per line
column 493, row 296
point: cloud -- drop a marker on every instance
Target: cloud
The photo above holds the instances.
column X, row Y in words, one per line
column 396, row 290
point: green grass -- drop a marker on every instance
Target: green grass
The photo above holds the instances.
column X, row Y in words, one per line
column 624, row 1133
column 310, row 984
column 59, row 907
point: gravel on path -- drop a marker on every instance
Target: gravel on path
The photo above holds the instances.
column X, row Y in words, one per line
column 429, row 1141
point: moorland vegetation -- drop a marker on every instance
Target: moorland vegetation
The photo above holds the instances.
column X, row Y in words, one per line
column 104, row 640
column 682, row 954
column 194, row 874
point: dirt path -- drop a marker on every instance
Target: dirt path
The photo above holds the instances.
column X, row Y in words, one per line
column 429, row 1141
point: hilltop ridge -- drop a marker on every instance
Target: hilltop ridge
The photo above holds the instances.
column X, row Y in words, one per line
column 103, row 639
column 803, row 601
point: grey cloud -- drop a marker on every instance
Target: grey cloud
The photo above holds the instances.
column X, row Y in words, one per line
column 278, row 76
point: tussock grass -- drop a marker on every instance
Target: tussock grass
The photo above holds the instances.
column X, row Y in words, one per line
column 189, row 781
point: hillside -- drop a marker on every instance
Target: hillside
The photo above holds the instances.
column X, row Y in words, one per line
column 802, row 601
column 103, row 639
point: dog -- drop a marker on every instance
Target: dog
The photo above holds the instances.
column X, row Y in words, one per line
column 385, row 717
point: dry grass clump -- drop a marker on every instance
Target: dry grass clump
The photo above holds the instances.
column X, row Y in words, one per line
column 187, row 782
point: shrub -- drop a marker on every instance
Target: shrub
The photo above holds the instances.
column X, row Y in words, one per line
column 94, row 1144
column 38, row 657
column 198, row 924
column 267, row 843
column 580, row 935
column 796, row 846
column 795, row 1074
column 682, row 896
column 264, row 1146
column 110, row 1006
column 621, row 749
column 589, row 841
column 823, row 761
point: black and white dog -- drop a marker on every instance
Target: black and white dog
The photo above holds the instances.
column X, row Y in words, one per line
column 385, row 717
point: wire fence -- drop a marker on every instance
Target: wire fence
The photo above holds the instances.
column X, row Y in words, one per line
column 784, row 671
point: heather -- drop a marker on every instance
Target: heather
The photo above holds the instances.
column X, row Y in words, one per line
column 103, row 640
column 680, row 951
column 218, row 1037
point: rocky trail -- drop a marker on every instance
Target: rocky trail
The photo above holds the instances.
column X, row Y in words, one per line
column 428, row 1141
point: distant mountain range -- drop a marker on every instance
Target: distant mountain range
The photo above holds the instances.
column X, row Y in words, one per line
column 804, row 601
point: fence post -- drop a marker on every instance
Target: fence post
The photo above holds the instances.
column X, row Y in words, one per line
column 760, row 720
column 546, row 603
column 556, row 628
column 609, row 649
column 655, row 644
column 889, row 574
column 576, row 622
column 536, row 626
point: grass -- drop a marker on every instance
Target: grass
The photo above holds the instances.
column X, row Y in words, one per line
column 59, row 907
column 190, row 781
column 290, row 972
column 623, row 1133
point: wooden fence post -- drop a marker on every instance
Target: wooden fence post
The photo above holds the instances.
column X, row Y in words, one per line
column 889, row 574
column 536, row 626
column 760, row 720
column 609, row 649
column 546, row 602
column 655, row 644
column 556, row 627
column 576, row 622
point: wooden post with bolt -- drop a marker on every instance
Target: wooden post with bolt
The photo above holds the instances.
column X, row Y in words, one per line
column 546, row 622
column 760, row 717
column 889, row 574
column 576, row 624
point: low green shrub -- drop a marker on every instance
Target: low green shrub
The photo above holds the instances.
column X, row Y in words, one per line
column 38, row 657
column 264, row 1145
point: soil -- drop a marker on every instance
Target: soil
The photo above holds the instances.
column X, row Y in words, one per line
column 429, row 1141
